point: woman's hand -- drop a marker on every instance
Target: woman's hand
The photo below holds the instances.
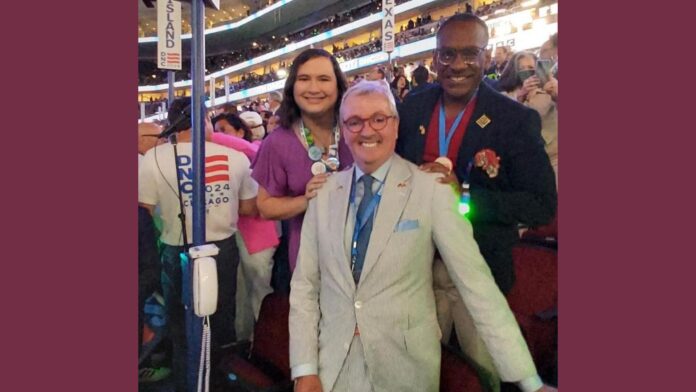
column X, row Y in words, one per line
column 314, row 185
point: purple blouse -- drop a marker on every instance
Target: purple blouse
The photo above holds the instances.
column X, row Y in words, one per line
column 283, row 168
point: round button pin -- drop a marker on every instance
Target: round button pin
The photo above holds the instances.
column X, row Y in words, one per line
column 318, row 168
column 314, row 153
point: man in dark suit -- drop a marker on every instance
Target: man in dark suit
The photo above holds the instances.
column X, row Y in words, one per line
column 420, row 78
column 491, row 143
column 502, row 53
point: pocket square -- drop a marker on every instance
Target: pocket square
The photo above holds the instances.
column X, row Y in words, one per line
column 405, row 225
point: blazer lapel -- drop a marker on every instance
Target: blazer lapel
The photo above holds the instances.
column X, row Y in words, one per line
column 337, row 225
column 474, row 131
column 421, row 118
column 394, row 197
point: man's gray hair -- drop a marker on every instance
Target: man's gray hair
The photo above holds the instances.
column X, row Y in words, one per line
column 275, row 96
column 366, row 87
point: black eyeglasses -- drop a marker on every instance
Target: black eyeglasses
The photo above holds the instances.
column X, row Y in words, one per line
column 377, row 121
column 470, row 55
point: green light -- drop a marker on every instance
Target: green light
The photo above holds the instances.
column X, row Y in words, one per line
column 464, row 208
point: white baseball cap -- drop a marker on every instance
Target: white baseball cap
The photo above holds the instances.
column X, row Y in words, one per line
column 255, row 123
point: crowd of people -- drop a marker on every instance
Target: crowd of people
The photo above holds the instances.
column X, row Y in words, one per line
column 149, row 74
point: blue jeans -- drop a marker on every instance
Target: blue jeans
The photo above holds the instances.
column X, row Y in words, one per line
column 221, row 322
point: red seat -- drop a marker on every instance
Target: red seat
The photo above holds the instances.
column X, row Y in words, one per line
column 271, row 334
column 456, row 374
column 534, row 301
column 548, row 232
column 267, row 366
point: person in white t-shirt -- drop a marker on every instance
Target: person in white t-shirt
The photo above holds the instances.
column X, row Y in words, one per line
column 147, row 138
column 229, row 192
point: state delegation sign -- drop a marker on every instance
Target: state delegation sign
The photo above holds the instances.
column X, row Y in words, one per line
column 169, row 34
column 388, row 25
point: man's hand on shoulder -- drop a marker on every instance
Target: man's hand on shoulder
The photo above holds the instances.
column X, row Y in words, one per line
column 448, row 178
column 310, row 383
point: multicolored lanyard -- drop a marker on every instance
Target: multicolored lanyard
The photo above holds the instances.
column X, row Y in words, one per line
column 315, row 153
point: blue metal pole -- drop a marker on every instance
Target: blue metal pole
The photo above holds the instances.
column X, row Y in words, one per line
column 170, row 92
column 198, row 112
column 198, row 120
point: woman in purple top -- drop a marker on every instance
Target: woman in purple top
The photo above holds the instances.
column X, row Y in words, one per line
column 295, row 160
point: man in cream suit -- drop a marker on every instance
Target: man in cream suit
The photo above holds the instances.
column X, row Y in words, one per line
column 362, row 308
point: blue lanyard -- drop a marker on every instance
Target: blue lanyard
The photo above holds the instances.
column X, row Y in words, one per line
column 446, row 139
column 361, row 221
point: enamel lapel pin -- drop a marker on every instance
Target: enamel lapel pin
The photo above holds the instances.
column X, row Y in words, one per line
column 483, row 121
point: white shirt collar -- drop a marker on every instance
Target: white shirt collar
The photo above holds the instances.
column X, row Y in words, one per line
column 380, row 174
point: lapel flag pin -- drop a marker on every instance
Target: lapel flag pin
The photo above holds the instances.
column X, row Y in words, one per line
column 483, row 121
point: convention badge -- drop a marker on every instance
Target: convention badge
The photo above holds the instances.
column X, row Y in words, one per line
column 332, row 163
column 314, row 153
column 318, row 168
column 483, row 121
column 446, row 162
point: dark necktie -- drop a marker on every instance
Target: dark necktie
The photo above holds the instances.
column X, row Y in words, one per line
column 364, row 236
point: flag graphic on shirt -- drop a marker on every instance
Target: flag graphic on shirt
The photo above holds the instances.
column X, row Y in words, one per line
column 216, row 178
column 216, row 169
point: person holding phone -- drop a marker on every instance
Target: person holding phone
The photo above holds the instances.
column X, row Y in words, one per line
column 526, row 80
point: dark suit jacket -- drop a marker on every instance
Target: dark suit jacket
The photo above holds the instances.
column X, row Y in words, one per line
column 420, row 88
column 524, row 191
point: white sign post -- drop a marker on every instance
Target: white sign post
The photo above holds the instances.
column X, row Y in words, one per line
column 227, row 88
column 169, row 35
column 211, row 92
column 388, row 26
